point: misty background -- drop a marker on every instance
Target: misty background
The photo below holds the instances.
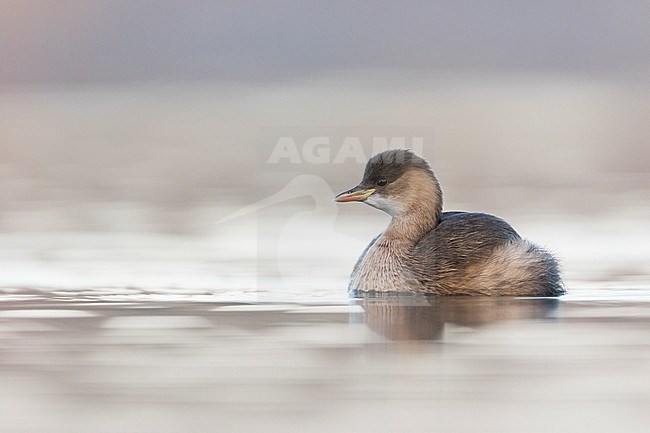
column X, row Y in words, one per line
column 127, row 118
column 159, row 274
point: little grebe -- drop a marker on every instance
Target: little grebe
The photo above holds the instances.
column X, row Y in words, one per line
column 424, row 250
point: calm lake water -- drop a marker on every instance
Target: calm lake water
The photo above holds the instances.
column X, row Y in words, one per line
column 79, row 363
column 174, row 333
column 157, row 276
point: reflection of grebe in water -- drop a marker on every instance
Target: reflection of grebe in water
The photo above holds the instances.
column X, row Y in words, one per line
column 424, row 317
column 425, row 250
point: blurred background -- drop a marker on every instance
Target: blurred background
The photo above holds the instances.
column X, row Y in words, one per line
column 130, row 129
column 171, row 259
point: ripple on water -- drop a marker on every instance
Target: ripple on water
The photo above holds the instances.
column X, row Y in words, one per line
column 46, row 314
column 156, row 322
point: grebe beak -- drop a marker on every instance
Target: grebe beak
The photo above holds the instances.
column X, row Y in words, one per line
column 355, row 194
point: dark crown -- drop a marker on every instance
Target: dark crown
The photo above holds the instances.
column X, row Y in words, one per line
column 391, row 164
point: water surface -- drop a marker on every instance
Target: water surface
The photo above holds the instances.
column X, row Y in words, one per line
column 86, row 363
column 158, row 275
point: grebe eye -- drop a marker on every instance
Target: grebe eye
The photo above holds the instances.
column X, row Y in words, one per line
column 382, row 182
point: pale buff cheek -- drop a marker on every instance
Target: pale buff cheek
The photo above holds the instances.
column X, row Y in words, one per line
column 388, row 205
column 408, row 192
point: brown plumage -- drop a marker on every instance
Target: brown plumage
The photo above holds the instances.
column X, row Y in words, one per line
column 425, row 250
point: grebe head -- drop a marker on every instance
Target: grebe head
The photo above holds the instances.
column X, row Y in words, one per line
column 397, row 182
